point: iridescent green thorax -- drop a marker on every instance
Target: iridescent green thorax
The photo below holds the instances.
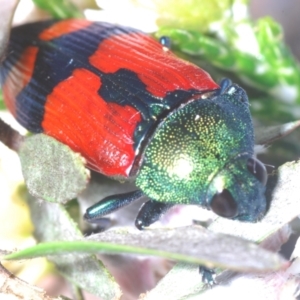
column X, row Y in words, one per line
column 193, row 144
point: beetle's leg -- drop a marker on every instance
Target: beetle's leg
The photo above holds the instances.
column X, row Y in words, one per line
column 208, row 275
column 150, row 212
column 110, row 204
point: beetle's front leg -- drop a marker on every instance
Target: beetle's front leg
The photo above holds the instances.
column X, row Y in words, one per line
column 110, row 204
column 150, row 212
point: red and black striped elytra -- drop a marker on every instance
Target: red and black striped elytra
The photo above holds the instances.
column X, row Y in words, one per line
column 101, row 89
column 136, row 112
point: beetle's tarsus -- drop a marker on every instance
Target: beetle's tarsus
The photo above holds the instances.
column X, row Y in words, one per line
column 208, row 276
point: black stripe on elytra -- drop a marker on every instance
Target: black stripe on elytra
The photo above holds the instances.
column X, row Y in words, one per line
column 20, row 38
column 124, row 87
column 56, row 61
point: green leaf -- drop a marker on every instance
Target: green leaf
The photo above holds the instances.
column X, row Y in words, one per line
column 192, row 14
column 60, row 9
column 188, row 244
column 244, row 48
column 2, row 104
column 52, row 171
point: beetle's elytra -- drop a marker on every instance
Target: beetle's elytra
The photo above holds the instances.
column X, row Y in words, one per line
column 136, row 112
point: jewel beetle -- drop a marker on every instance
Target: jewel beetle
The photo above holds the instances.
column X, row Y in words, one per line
column 136, row 112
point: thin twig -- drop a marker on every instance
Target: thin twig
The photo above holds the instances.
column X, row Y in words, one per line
column 10, row 137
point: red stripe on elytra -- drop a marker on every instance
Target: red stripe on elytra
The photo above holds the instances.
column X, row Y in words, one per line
column 102, row 132
column 157, row 67
column 63, row 27
column 18, row 77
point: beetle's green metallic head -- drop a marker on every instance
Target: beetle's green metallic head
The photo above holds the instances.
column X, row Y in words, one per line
column 236, row 192
column 202, row 153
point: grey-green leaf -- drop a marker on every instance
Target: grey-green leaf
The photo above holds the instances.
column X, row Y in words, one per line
column 267, row 135
column 53, row 223
column 191, row 244
column 52, row 171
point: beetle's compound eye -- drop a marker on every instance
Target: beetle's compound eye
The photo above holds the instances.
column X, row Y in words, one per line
column 256, row 168
column 224, row 205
